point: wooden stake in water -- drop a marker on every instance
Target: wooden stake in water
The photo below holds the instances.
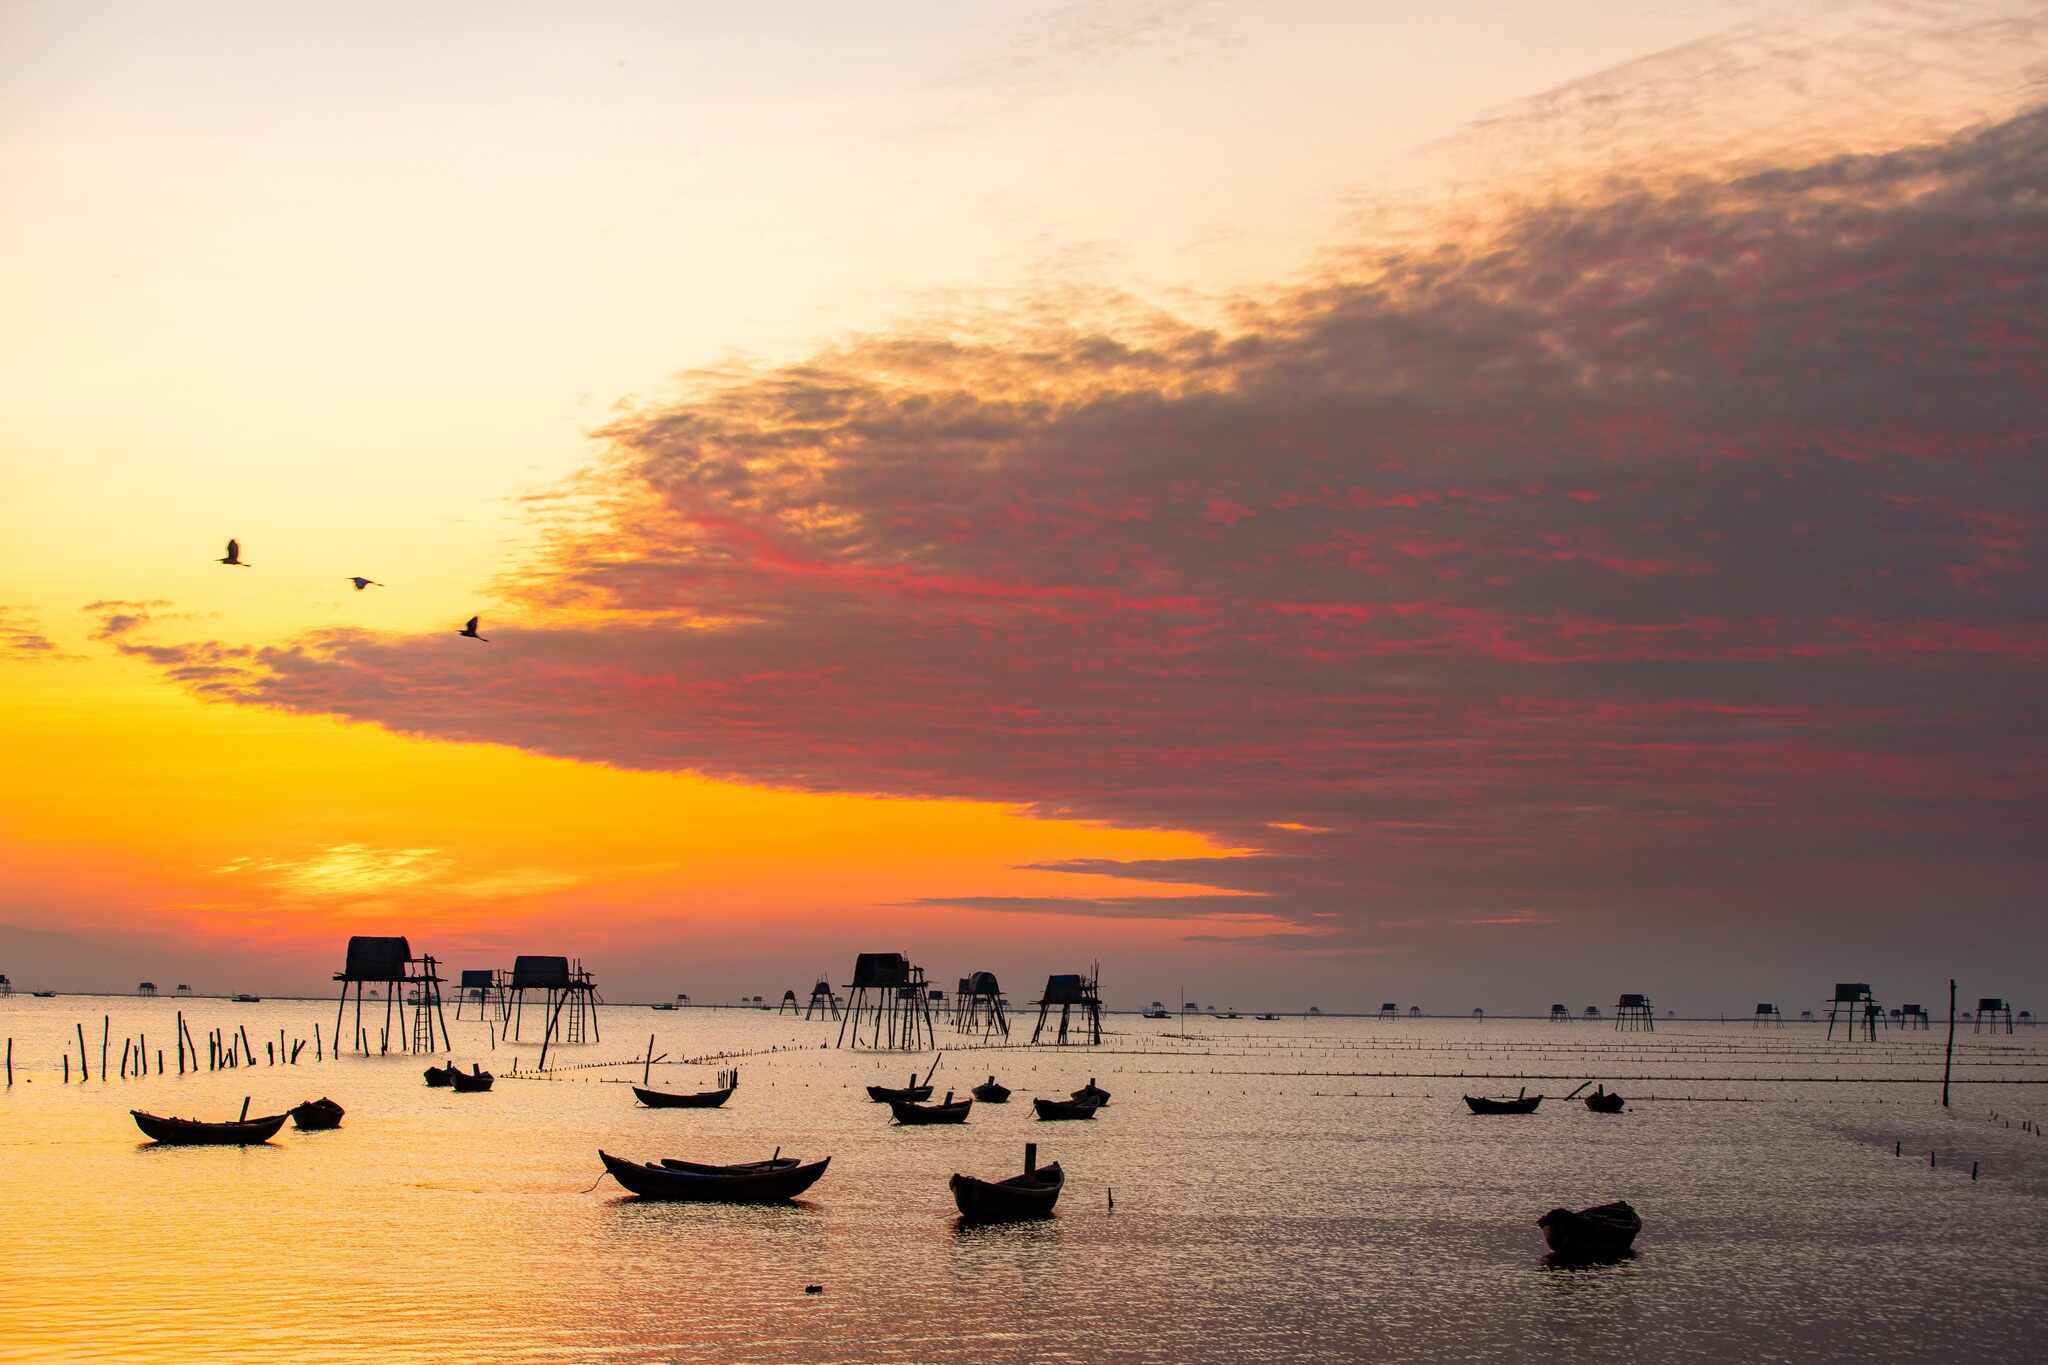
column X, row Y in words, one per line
column 106, row 1022
column 85, row 1072
column 245, row 1109
column 1948, row 1062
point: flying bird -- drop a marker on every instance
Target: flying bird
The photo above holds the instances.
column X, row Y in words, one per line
column 233, row 558
column 362, row 582
column 470, row 631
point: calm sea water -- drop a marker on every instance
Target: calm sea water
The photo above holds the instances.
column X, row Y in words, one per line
column 1272, row 1201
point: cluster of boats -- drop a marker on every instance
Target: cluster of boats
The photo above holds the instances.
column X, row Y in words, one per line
column 453, row 1077
column 908, row 1102
column 311, row 1116
column 779, row 1178
column 1601, row 1101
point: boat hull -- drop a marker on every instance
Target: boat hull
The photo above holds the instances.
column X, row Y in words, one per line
column 472, row 1083
column 661, row 1099
column 316, row 1116
column 440, row 1076
column 1485, row 1106
column 726, row 1187
column 911, row 1114
column 1608, row 1103
column 1003, row 1201
column 192, row 1133
column 883, row 1094
column 1606, row 1231
column 1064, row 1109
column 991, row 1093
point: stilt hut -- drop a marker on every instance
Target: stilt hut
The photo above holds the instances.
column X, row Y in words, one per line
column 1634, row 1014
column 183, row 989
column 483, row 987
column 1066, row 994
column 145, row 988
column 1854, row 1006
column 890, row 992
column 388, row 962
column 980, row 1006
column 569, row 997
column 1414, row 1011
column 1592, row 1011
column 1560, row 1015
column 789, row 1003
column 823, row 1002
column 1389, row 1010
column 1991, row 1009
column 1768, row 1013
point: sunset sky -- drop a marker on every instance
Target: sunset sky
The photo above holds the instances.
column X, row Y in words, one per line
column 1298, row 502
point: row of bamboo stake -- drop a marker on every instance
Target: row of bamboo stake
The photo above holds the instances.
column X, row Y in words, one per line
column 224, row 1050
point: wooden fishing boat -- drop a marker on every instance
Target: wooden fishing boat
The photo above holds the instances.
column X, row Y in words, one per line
column 727, row 1185
column 664, row 1005
column 44, row 995
column 316, row 1115
column 883, row 1094
column 1092, row 1093
column 1604, row 1101
column 1030, row 1195
column 1265, row 1016
column 702, row 1099
column 1064, row 1109
column 474, row 1080
column 1521, row 1104
column 247, row 999
column 441, row 1075
column 1591, row 1234
column 193, row 1133
column 988, row 1092
column 910, row 1113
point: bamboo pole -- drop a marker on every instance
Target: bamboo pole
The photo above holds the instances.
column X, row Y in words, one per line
column 106, row 1023
column 1948, row 1062
column 142, row 1053
column 181, row 1042
column 84, row 1073
column 124, row 1061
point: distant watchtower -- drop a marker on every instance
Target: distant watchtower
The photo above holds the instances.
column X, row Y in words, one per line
column 1634, row 1014
column 979, row 1005
column 1069, row 993
column 1592, row 1011
column 565, row 990
column 822, row 1001
column 1991, row 1009
column 789, row 1003
column 388, row 962
column 1390, row 1010
column 1767, row 1013
column 1853, row 1005
column 891, row 992
column 145, row 988
column 1560, row 1015
column 1914, row 1017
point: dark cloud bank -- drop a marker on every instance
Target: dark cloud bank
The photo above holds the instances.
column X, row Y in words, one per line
column 1677, row 550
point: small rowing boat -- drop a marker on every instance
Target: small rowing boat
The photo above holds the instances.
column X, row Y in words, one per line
column 476, row 1080
column 1520, row 1104
column 747, row 1184
column 441, row 1076
column 316, row 1115
column 1604, row 1101
column 1030, row 1195
column 884, row 1094
column 1064, row 1109
column 193, row 1133
column 988, row 1092
column 702, row 1099
column 910, row 1113
column 1092, row 1093
column 1605, row 1230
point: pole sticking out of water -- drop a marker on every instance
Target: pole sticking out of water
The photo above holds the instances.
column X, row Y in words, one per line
column 84, row 1073
column 1949, row 1061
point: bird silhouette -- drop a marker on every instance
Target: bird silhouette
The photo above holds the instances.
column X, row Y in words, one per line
column 470, row 631
column 362, row 582
column 233, row 558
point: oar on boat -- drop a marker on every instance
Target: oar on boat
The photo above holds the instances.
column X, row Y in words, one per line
column 1582, row 1086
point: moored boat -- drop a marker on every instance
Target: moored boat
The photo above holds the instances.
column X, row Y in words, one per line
column 1064, row 1109
column 441, row 1075
column 1590, row 1234
column 910, row 1113
column 725, row 1185
column 194, row 1133
column 316, row 1115
column 1092, row 1093
column 702, row 1099
column 1521, row 1104
column 778, row 1162
column 476, row 1079
column 989, row 1092
column 1030, row 1195
column 884, row 1094
column 1604, row 1101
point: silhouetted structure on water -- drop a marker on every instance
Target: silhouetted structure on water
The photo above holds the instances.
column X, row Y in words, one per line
column 1634, row 1014
column 483, row 987
column 1853, row 1005
column 1991, row 1009
column 145, row 988
column 978, row 1006
column 1560, row 1015
column 1767, row 1013
column 789, row 1003
column 823, row 1002
column 1068, row 993
column 568, row 997
column 388, row 963
column 891, row 992
column 1389, row 1010
column 1914, row 1017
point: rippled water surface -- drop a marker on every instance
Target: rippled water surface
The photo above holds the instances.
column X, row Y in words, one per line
column 1296, row 1190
